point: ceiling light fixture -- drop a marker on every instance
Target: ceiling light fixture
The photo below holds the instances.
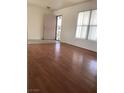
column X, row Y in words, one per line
column 48, row 7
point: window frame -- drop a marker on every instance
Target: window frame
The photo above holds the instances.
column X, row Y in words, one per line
column 88, row 29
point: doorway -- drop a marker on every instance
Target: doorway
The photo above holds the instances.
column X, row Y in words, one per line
column 58, row 27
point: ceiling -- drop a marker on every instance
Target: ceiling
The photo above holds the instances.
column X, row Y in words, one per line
column 55, row 4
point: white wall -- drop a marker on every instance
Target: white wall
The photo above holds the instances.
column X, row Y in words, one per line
column 35, row 21
column 69, row 23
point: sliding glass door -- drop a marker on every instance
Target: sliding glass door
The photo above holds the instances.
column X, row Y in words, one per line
column 58, row 27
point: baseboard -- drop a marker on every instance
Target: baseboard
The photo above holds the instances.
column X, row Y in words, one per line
column 78, row 47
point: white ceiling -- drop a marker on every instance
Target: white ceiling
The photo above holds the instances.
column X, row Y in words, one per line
column 55, row 4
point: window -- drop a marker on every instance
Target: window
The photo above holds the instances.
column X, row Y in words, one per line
column 87, row 25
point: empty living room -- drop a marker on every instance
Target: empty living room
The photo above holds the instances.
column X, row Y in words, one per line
column 62, row 46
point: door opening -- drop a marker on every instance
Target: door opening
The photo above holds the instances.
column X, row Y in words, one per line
column 58, row 27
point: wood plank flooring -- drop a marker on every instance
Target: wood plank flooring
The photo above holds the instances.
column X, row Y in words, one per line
column 61, row 68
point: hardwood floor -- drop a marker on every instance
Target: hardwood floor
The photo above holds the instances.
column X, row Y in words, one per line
column 61, row 68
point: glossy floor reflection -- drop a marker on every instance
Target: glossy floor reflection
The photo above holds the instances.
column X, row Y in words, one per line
column 61, row 68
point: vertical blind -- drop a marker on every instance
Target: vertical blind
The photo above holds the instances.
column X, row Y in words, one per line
column 87, row 25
